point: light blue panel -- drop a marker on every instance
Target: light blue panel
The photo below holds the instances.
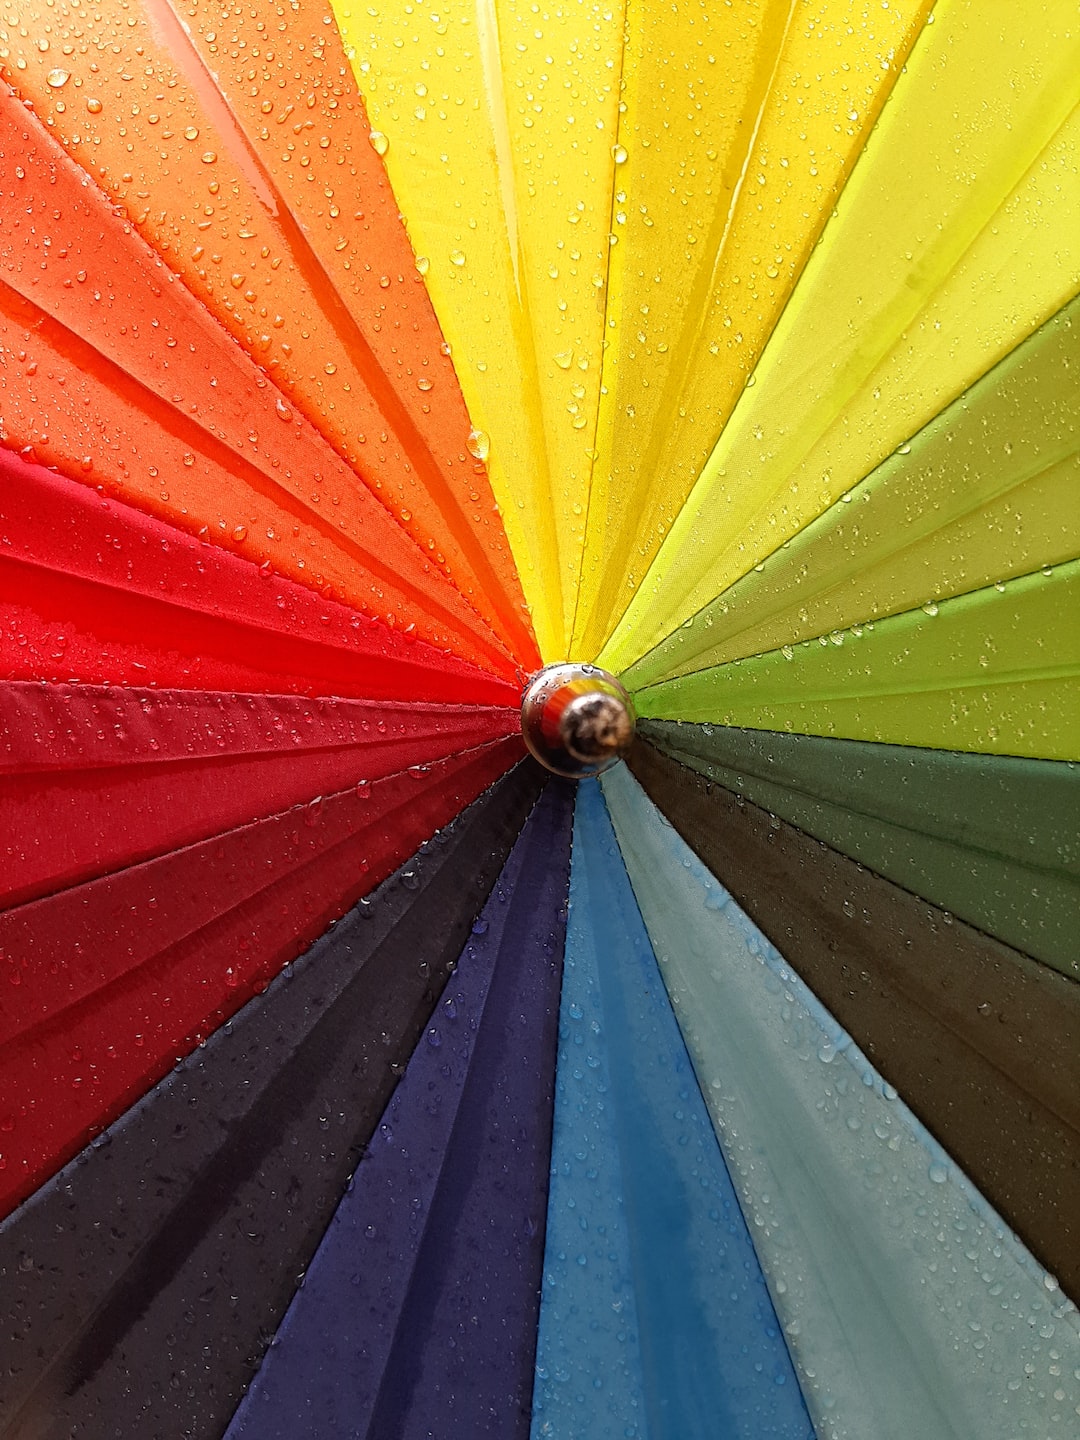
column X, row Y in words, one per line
column 655, row 1320
column 910, row 1308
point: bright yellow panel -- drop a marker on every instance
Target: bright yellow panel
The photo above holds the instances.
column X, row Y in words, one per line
column 927, row 223
column 742, row 122
column 499, row 125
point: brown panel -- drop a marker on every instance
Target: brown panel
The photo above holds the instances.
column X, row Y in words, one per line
column 982, row 1042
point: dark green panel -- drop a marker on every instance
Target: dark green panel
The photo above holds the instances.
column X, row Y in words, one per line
column 994, row 839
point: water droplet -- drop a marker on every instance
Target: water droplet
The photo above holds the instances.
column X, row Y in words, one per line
column 208, row 157
column 94, row 106
column 457, row 257
column 423, row 264
column 191, row 133
column 478, row 445
column 379, row 142
column 564, row 359
column 239, row 533
column 930, row 608
column 424, row 383
column 58, row 78
column 480, row 926
column 938, row 1172
column 619, row 154
column 282, row 411
column 384, row 282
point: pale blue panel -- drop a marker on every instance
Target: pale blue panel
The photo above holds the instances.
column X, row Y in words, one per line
column 912, row 1311
column 655, row 1319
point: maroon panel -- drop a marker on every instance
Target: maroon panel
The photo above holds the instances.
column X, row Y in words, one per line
column 98, row 778
column 982, row 1042
column 104, row 985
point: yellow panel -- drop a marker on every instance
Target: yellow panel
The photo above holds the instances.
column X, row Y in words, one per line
column 926, row 221
column 741, row 124
column 500, row 123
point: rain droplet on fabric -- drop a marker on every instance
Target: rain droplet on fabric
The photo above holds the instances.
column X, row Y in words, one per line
column 478, row 445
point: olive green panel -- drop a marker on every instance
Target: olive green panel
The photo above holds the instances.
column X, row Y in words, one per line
column 994, row 840
column 996, row 670
column 988, row 490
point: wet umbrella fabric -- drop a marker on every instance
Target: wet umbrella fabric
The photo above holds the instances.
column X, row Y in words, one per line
column 354, row 363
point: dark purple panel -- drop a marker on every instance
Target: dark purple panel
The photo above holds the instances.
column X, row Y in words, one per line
column 418, row 1315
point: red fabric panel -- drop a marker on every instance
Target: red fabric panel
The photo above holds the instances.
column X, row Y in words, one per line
column 96, row 779
column 104, row 985
column 115, row 372
column 95, row 591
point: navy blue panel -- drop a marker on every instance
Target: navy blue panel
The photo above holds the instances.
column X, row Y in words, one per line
column 418, row 1315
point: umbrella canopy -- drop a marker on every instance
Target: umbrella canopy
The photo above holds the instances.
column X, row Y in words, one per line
column 359, row 1077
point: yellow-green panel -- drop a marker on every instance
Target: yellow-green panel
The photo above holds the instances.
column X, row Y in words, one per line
column 997, row 670
column 930, row 270
column 499, row 123
column 990, row 489
column 741, row 124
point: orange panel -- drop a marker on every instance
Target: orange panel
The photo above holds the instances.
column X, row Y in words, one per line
column 241, row 153
column 113, row 373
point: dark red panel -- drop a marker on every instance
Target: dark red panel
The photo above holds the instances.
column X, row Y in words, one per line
column 98, row 778
column 95, row 591
column 104, row 985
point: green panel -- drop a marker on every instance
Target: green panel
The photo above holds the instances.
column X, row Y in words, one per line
column 992, row 839
column 996, row 670
column 986, row 491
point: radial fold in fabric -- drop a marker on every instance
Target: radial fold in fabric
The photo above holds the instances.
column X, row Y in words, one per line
column 734, row 156
column 211, row 1195
column 93, row 591
column 655, row 1320
column 985, row 492
column 83, row 1024
column 979, row 1039
column 499, row 133
column 983, row 837
column 908, row 1305
column 997, row 670
column 881, row 332
column 420, row 1319
column 361, row 439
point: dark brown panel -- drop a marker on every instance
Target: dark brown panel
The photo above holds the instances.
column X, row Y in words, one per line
column 982, row 1042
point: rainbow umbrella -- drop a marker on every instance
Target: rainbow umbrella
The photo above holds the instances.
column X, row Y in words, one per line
column 359, row 1077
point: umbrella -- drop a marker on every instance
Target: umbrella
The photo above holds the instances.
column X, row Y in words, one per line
column 361, row 1077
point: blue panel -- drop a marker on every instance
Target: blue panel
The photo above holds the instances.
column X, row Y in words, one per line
column 655, row 1320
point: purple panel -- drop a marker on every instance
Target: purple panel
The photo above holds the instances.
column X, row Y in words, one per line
column 417, row 1318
